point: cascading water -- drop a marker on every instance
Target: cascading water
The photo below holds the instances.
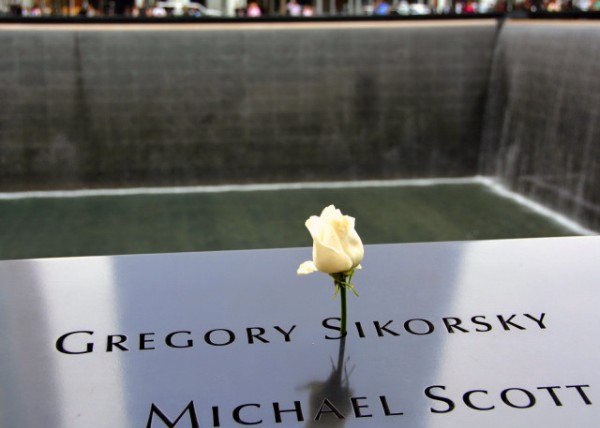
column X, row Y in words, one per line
column 541, row 132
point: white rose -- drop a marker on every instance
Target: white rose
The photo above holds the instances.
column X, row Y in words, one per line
column 337, row 247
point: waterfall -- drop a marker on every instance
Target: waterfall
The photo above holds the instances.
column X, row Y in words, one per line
column 541, row 134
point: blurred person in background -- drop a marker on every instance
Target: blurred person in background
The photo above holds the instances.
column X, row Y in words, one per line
column 552, row 6
column 253, row 10
column 470, row 7
column 308, row 10
column 382, row 8
column 294, row 8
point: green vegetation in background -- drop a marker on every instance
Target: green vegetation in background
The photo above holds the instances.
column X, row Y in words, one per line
column 102, row 225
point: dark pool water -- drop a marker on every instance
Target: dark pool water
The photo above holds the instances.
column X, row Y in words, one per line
column 103, row 225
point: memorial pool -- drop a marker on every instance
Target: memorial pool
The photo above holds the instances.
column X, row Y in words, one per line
column 128, row 221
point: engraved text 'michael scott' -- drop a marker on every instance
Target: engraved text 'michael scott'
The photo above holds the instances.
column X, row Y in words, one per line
column 438, row 400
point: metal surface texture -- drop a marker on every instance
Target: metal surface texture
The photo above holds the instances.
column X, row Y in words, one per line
column 487, row 333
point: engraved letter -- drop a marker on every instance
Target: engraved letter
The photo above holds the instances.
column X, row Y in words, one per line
column 550, row 390
column 449, row 402
column 475, row 320
column 452, row 323
column 506, row 323
column 530, row 398
column 356, row 407
column 297, row 408
column 154, row 410
column 238, row 418
column 386, row 408
column 286, row 334
column 144, row 340
column 579, row 389
column 110, row 342
column 331, row 327
column 408, row 328
column 383, row 328
column 332, row 409
column 539, row 321
column 208, row 337
column 169, row 340
column 252, row 335
column 468, row 402
column 60, row 343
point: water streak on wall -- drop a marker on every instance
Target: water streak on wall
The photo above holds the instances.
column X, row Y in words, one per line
column 542, row 125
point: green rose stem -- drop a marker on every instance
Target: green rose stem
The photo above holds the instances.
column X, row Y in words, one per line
column 342, row 282
column 344, row 310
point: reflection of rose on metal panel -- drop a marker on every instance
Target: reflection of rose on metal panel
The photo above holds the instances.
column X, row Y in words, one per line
column 329, row 400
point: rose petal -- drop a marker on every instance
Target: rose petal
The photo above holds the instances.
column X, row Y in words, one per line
column 314, row 225
column 350, row 242
column 306, row 268
column 323, row 233
column 330, row 260
column 331, row 213
column 353, row 247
